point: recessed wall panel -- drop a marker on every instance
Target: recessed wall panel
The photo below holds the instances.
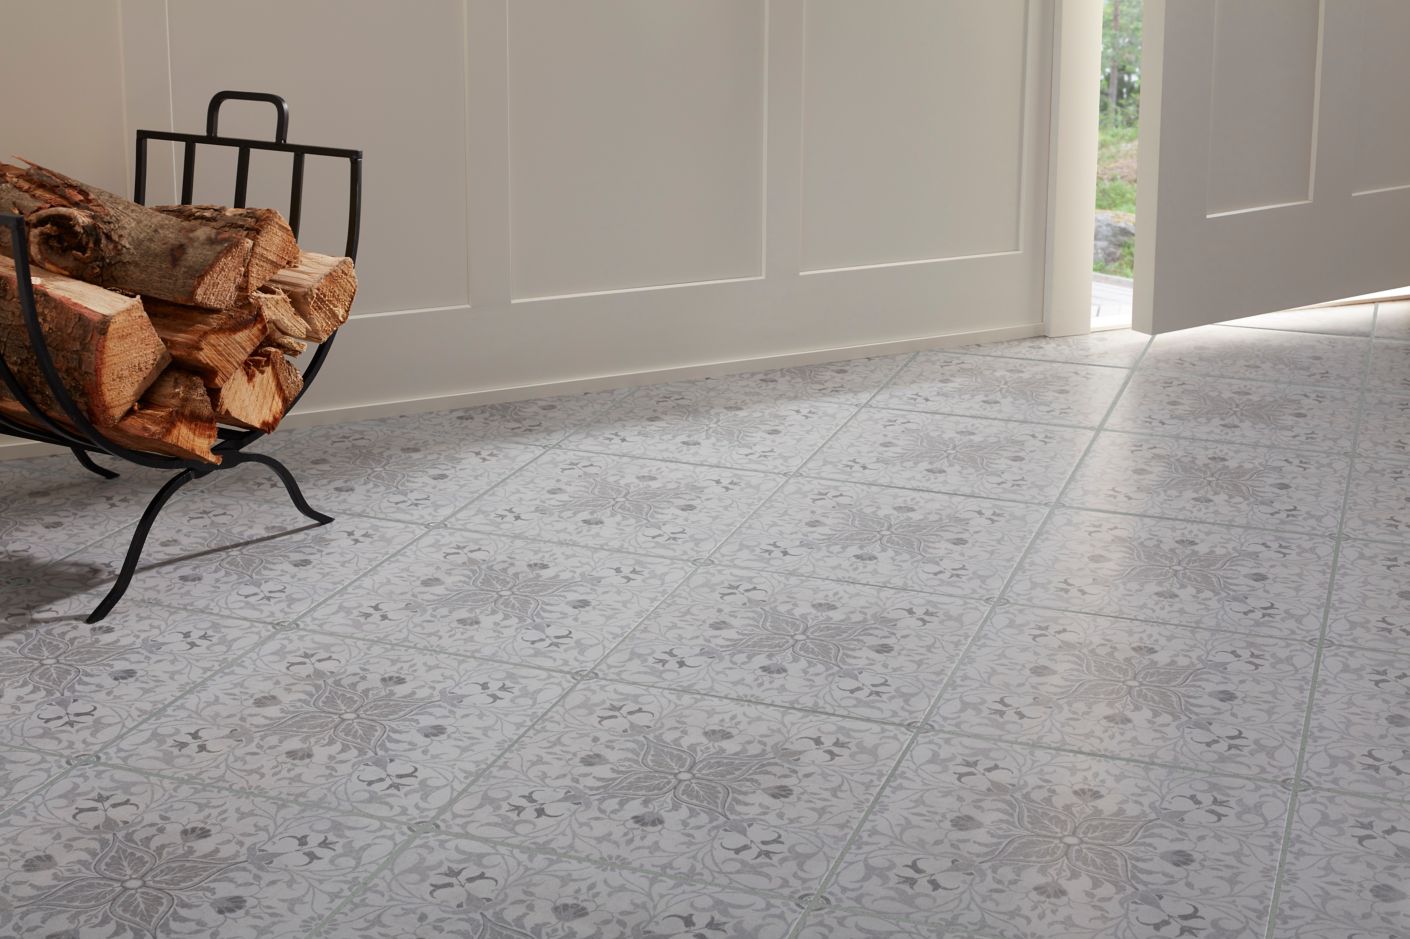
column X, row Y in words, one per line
column 636, row 135
column 1263, row 106
column 1382, row 112
column 913, row 130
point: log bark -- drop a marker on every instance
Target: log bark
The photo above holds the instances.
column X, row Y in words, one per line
column 260, row 393
column 274, row 247
column 96, row 236
column 103, row 345
column 213, row 345
column 174, row 418
column 321, row 289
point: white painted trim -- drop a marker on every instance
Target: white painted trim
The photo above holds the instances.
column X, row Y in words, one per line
column 334, row 415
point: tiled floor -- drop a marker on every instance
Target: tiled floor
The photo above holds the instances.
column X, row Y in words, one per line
column 1049, row 639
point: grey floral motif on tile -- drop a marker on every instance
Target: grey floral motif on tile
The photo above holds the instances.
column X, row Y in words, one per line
column 504, row 598
column 247, row 558
column 886, row 537
column 537, row 422
column 1393, row 320
column 378, row 729
column 1013, row 389
column 1348, row 870
column 855, row 924
column 22, row 772
column 1178, row 572
column 1347, row 320
column 70, row 687
column 718, row 791
column 859, row 651
column 852, row 381
column 109, row 853
column 1210, row 482
column 1385, row 427
column 446, row 886
column 1027, row 844
column 1371, row 600
column 963, row 455
column 1198, row 698
column 720, row 429
column 1225, row 410
column 1390, row 367
column 45, row 516
column 1360, row 734
column 1379, row 506
column 380, row 468
column 1118, row 347
column 623, row 503
column 1266, row 355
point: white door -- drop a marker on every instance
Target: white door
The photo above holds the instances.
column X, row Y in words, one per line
column 1275, row 156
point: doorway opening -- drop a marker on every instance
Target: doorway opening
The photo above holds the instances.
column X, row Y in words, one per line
column 1114, row 229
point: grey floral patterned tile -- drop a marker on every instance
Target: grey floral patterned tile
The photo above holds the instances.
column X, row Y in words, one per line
column 379, row 468
column 1118, row 347
column 379, row 729
column 718, row 791
column 722, row 429
column 860, row 651
column 1371, row 600
column 537, row 422
column 24, row 771
column 1385, row 427
column 852, row 381
column 1390, row 367
column 1024, row 844
column 886, row 537
column 1178, row 572
column 1393, row 320
column 1202, row 699
column 1348, row 320
column 1013, row 389
column 1348, row 870
column 1379, row 506
column 46, row 515
column 251, row 559
column 853, row 924
column 964, row 455
column 524, row 601
column 1360, row 734
column 1266, row 355
column 1250, row 412
column 1212, row 482
column 448, row 886
column 70, row 687
column 106, row 853
column 618, row 502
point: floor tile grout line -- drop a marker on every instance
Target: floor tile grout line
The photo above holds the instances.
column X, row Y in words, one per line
column 1309, row 709
column 829, row 878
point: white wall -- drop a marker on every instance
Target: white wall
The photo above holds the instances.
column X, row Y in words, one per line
column 561, row 195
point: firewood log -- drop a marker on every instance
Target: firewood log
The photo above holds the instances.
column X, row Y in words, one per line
column 174, row 418
column 259, row 393
column 322, row 289
column 274, row 245
column 279, row 312
column 102, row 238
column 212, row 344
column 103, row 345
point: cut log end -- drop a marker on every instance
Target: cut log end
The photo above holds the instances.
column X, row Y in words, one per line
column 322, row 290
column 259, row 395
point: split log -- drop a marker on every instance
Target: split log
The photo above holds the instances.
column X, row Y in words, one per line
column 322, row 289
column 103, row 345
column 279, row 311
column 174, row 418
column 102, row 238
column 213, row 345
column 286, row 344
column 274, row 247
column 258, row 395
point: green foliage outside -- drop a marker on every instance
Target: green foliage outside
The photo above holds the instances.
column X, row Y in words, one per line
column 1120, row 112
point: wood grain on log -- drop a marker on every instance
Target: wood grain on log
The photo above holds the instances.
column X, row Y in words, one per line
column 321, row 289
column 274, row 247
column 212, row 344
column 102, row 238
column 260, row 393
column 103, row 345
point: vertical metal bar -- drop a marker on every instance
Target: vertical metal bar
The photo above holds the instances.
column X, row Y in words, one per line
column 354, row 205
column 242, row 177
column 296, row 194
column 139, row 183
column 188, row 172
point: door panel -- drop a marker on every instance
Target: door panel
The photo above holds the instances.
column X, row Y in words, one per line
column 1272, row 136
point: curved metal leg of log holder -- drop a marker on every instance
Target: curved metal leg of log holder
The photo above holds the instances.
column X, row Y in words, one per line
column 87, row 463
column 139, row 541
column 291, row 485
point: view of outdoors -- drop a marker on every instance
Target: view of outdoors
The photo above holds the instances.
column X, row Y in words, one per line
column 1120, row 90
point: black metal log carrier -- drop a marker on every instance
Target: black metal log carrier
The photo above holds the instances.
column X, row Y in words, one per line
column 85, row 439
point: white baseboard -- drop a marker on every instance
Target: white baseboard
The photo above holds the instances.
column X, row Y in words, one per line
column 356, row 412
